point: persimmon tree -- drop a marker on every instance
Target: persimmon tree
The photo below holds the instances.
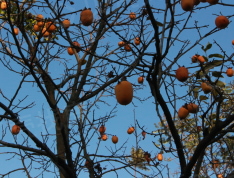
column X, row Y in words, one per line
column 69, row 68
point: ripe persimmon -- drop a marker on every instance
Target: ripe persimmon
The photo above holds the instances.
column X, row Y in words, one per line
column 229, row 72
column 124, row 92
column 130, row 130
column 182, row 74
column 201, row 59
column 121, row 43
column 127, row 47
column 140, row 79
column 115, row 139
column 104, row 137
column 50, row 26
column 206, row 88
column 132, row 16
column 232, row 42
column 221, row 22
column 160, row 156
column 183, row 112
column 192, row 108
column 16, row 31
column 3, row 5
column 66, row 23
column 36, row 28
column 15, row 129
column 39, row 17
column 137, row 41
column 102, row 129
column 187, row 5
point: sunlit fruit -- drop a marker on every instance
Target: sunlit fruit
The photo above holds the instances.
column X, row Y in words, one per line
column 160, row 156
column 229, row 72
column 130, row 130
column 187, row 5
column 70, row 51
column 15, row 129
column 206, row 88
column 66, row 23
column 201, row 59
column 183, row 112
column 192, row 108
column 45, row 33
column 182, row 74
column 124, row 92
column 127, row 47
column 221, row 22
column 3, row 5
column 104, row 137
column 212, row 2
column 140, row 79
column 132, row 16
column 114, row 139
column 16, row 31
column 39, row 17
column 50, row 26
column 86, row 17
column 137, row 41
column 36, row 28
column 40, row 24
column 102, row 129
column 121, row 43
column 232, row 42
column 220, row 176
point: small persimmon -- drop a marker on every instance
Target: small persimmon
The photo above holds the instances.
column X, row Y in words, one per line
column 16, row 31
column 121, row 43
column 229, row 72
column 206, row 87
column 102, row 129
column 66, row 23
column 132, row 16
column 3, row 5
column 183, row 112
column 140, row 79
column 36, row 28
column 39, row 17
column 104, row 137
column 192, row 108
column 221, row 22
column 130, row 130
column 160, row 156
column 137, row 41
column 127, row 47
column 15, row 129
column 50, row 26
column 115, row 139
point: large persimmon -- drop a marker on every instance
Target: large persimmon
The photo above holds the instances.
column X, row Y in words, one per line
column 124, row 92
column 192, row 108
column 183, row 112
column 182, row 74
column 187, row 5
column 221, row 22
column 229, row 72
column 86, row 17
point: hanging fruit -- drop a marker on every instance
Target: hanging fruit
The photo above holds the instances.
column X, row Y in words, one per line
column 130, row 130
column 15, row 129
column 187, row 5
column 132, row 16
column 140, row 79
column 104, row 137
column 114, row 139
column 183, row 112
column 182, row 74
column 192, row 108
column 124, row 92
column 160, row 156
column 102, row 129
column 229, row 72
column 66, row 23
column 221, row 22
column 86, row 17
column 137, row 41
column 206, row 88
